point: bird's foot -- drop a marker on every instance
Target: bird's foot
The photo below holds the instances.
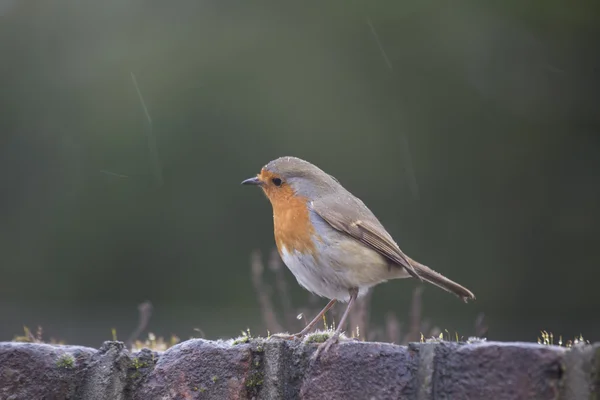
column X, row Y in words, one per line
column 324, row 347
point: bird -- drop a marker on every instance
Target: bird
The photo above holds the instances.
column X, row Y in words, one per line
column 332, row 242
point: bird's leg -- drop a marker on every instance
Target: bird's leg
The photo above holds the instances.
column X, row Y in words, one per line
column 334, row 338
column 308, row 327
column 316, row 319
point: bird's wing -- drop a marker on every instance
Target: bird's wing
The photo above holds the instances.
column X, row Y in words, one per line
column 356, row 220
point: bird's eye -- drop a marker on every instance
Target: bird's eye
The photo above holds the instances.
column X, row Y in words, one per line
column 276, row 181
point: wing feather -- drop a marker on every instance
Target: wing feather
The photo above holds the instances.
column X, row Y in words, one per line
column 356, row 220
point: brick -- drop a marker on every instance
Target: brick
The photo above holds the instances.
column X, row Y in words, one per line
column 285, row 365
column 359, row 370
column 106, row 373
column 497, row 371
column 41, row 371
column 578, row 367
column 201, row 369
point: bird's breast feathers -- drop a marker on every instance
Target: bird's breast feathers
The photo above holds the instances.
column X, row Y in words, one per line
column 292, row 225
column 336, row 264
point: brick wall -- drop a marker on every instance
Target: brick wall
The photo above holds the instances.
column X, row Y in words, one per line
column 277, row 369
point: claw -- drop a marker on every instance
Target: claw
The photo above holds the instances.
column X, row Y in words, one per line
column 324, row 347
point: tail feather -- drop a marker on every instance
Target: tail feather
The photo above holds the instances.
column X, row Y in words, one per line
column 441, row 281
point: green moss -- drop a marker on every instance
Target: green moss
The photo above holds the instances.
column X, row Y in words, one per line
column 318, row 337
column 137, row 364
column 255, row 377
column 66, row 361
column 135, row 368
column 255, row 380
column 245, row 338
column 241, row 340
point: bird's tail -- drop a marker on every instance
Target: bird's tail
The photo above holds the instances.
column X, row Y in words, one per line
column 441, row 281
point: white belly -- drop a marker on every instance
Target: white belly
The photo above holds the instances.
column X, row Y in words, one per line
column 342, row 264
column 318, row 279
column 337, row 270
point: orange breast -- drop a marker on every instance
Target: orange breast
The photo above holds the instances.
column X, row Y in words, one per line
column 292, row 226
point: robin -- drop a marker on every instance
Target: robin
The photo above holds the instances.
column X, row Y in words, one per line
column 332, row 243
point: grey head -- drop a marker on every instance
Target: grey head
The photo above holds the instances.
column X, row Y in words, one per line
column 306, row 179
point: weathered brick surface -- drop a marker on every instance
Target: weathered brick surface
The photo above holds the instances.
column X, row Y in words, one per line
column 106, row 373
column 285, row 365
column 276, row 369
column 358, row 370
column 42, row 371
column 595, row 385
column 497, row 371
column 201, row 369
column 581, row 366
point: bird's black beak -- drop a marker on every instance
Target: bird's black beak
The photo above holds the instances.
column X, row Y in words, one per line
column 252, row 181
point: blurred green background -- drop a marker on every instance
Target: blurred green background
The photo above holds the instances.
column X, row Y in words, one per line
column 470, row 128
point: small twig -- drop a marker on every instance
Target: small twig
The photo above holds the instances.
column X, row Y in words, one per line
column 360, row 314
column 280, row 284
column 266, row 307
column 145, row 311
column 426, row 327
column 393, row 328
column 414, row 327
column 481, row 329
column 39, row 334
column 201, row 332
